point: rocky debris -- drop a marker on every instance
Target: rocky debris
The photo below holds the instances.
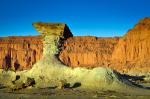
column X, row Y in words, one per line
column 20, row 53
column 62, row 84
column 2, row 86
column 29, row 82
column 19, row 84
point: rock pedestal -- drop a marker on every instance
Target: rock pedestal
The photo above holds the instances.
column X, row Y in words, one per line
column 53, row 34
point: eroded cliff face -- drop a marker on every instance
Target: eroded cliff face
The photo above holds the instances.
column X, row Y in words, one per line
column 133, row 50
column 88, row 51
column 127, row 54
column 19, row 53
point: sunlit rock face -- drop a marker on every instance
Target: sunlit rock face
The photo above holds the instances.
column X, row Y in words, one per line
column 127, row 54
column 88, row 51
column 132, row 54
column 53, row 34
column 20, row 53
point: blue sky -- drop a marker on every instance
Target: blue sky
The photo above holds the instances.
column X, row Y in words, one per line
column 84, row 17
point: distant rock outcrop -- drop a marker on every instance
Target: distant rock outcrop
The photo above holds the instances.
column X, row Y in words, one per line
column 19, row 53
column 88, row 51
column 133, row 50
column 128, row 54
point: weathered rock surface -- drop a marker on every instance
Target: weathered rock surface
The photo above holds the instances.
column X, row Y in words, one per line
column 129, row 54
column 19, row 53
column 53, row 34
column 133, row 50
column 88, row 51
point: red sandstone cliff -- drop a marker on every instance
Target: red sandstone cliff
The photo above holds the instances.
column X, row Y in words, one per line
column 133, row 50
column 88, row 51
column 130, row 53
column 20, row 52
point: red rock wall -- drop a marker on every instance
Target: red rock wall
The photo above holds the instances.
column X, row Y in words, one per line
column 133, row 50
column 88, row 51
column 129, row 54
column 22, row 52
column 19, row 53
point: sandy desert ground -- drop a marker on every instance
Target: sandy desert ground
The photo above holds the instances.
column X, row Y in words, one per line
column 49, row 93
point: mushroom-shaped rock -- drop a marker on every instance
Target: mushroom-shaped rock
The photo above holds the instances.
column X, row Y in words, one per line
column 53, row 34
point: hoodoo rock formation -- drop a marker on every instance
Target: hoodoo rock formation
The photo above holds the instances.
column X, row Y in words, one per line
column 52, row 34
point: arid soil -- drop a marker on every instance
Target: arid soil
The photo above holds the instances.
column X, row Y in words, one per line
column 48, row 93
